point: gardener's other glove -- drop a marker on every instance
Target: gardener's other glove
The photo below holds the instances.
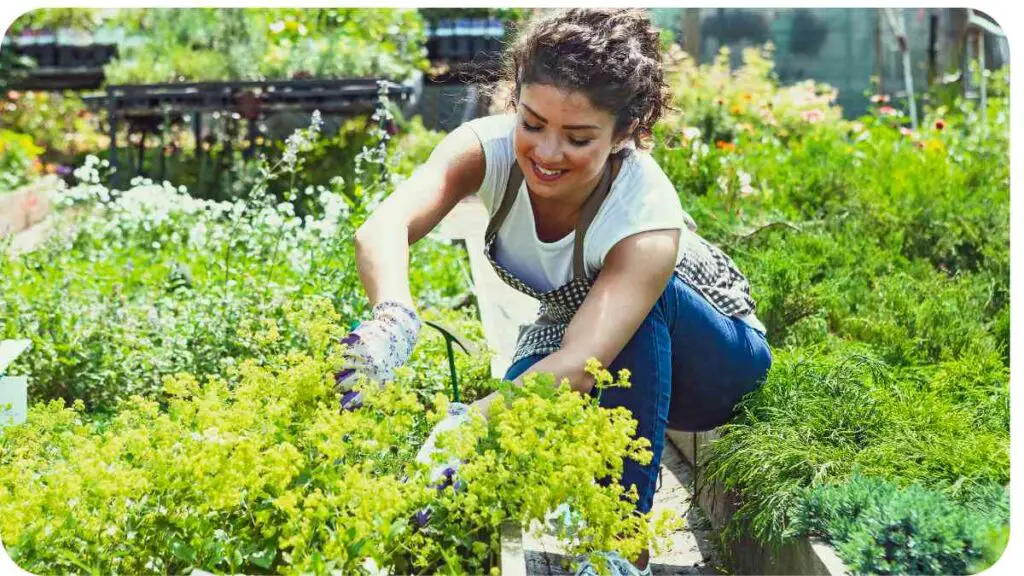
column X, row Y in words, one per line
column 442, row 475
column 377, row 347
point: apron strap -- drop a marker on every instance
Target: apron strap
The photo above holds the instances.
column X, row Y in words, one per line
column 589, row 210
column 515, row 178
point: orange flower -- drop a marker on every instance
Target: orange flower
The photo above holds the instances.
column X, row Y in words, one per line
column 735, row 110
column 723, row 145
column 51, row 168
column 748, row 96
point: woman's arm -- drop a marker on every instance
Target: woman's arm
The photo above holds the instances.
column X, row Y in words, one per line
column 454, row 170
column 633, row 277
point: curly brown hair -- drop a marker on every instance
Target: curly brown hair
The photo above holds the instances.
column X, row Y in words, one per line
column 612, row 55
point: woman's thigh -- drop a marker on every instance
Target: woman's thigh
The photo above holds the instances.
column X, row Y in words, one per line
column 716, row 360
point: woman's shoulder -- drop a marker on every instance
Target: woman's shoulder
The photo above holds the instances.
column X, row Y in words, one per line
column 496, row 134
column 493, row 127
column 643, row 185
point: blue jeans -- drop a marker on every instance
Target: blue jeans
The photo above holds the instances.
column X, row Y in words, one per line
column 689, row 365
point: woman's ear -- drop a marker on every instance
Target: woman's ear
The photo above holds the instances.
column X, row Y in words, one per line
column 618, row 146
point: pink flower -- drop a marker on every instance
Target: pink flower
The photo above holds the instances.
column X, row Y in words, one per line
column 887, row 111
column 906, row 131
column 876, row 98
column 813, row 116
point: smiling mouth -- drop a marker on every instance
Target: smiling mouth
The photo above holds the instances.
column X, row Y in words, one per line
column 546, row 175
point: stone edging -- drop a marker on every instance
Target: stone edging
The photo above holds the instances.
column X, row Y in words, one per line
column 748, row 555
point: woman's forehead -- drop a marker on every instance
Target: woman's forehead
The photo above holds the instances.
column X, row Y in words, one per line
column 560, row 107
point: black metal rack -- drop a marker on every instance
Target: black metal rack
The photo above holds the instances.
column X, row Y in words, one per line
column 63, row 66
column 150, row 107
column 462, row 40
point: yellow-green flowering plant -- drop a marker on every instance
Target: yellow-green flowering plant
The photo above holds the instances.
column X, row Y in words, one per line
column 260, row 471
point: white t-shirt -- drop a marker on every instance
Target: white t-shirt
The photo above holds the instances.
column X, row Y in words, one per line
column 641, row 198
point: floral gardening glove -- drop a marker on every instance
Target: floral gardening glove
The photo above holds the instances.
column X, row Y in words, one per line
column 443, row 474
column 376, row 347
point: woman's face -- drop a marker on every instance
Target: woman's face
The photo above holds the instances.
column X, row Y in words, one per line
column 562, row 141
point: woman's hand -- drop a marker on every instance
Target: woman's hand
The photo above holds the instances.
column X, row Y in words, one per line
column 442, row 473
column 376, row 347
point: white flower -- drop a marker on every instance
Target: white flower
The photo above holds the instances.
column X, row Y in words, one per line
column 317, row 122
column 723, row 183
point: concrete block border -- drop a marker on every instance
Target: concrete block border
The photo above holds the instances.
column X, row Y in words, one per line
column 802, row 556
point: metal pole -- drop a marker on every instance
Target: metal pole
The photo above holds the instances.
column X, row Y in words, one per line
column 112, row 121
column 899, row 31
column 197, row 132
column 981, row 65
column 933, row 45
column 451, row 367
column 908, row 80
column 142, row 152
column 879, row 53
column 163, row 145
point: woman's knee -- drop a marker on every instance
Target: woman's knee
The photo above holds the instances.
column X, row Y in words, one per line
column 517, row 369
column 761, row 359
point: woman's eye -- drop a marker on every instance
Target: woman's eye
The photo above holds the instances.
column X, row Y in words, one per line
column 579, row 143
column 529, row 128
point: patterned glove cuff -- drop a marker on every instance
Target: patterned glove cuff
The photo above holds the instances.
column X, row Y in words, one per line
column 400, row 314
column 458, row 409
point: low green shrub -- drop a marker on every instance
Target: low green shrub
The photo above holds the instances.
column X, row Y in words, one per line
column 881, row 528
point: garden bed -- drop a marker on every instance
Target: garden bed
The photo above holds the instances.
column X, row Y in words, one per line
column 747, row 555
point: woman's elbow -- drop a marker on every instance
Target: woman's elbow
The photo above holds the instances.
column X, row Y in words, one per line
column 363, row 237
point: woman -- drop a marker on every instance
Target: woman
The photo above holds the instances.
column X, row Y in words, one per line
column 586, row 222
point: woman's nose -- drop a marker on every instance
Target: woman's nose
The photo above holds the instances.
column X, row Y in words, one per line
column 548, row 150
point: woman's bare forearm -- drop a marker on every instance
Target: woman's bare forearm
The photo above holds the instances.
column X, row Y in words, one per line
column 382, row 258
column 454, row 170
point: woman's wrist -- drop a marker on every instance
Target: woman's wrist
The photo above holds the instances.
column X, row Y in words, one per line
column 483, row 405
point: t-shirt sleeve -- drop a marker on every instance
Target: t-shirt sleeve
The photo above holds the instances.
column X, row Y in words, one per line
column 648, row 202
column 495, row 134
